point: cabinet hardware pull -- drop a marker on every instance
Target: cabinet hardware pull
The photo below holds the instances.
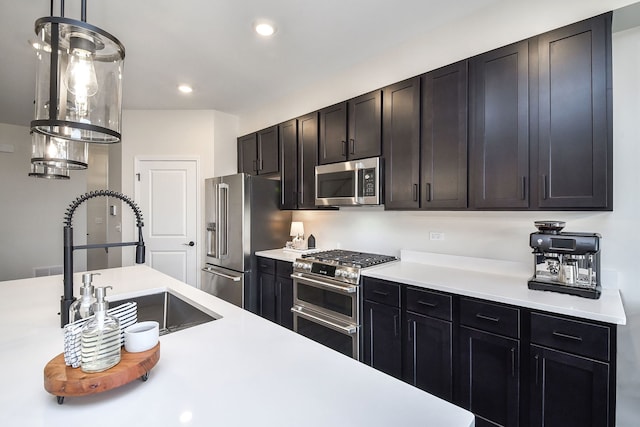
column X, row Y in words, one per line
column 255, row 165
column 428, row 192
column 513, row 362
column 353, row 146
column 261, row 164
column 395, row 325
column 381, row 293
column 427, row 303
column 415, row 192
column 524, row 188
column 344, row 148
column 484, row 317
column 409, row 331
column 537, row 365
column 544, row 187
column 567, row 336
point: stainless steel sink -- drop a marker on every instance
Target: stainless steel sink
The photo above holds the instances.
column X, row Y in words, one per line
column 170, row 311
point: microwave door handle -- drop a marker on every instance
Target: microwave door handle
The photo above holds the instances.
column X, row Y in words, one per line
column 357, row 196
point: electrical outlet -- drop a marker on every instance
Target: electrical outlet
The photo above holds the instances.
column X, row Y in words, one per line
column 436, row 235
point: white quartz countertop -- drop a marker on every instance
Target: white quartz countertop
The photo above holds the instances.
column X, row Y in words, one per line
column 493, row 280
column 239, row 370
column 497, row 281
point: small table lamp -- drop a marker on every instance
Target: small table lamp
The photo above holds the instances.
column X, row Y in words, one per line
column 297, row 232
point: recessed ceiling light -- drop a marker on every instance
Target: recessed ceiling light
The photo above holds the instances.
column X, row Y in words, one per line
column 265, row 29
column 185, row 88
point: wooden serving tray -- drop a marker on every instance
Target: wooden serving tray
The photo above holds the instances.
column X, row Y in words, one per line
column 62, row 380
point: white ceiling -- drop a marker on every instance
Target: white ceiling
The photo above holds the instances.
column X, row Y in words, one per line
column 210, row 44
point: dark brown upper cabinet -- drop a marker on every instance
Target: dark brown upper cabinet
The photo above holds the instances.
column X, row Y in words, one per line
column 499, row 128
column 307, row 160
column 258, row 153
column 444, row 138
column 352, row 129
column 288, row 133
column 298, row 159
column 401, row 141
column 574, row 168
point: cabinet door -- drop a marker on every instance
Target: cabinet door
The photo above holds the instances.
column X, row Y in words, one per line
column 499, row 128
column 365, row 126
column 268, row 151
column 382, row 339
column 308, row 160
column 268, row 296
column 284, row 302
column 574, row 146
column 247, row 154
column 444, row 138
column 569, row 390
column 333, row 134
column 288, row 134
column 490, row 377
column 428, row 355
column 401, row 144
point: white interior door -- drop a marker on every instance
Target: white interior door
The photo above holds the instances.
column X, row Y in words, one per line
column 167, row 192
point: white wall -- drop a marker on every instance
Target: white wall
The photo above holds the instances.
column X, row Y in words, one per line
column 498, row 235
column 188, row 133
column 32, row 212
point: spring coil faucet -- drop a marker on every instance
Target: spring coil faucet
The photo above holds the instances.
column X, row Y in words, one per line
column 68, row 298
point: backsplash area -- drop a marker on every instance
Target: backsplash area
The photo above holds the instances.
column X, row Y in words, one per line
column 494, row 235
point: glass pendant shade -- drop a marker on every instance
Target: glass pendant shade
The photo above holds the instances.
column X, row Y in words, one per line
column 78, row 81
column 41, row 171
column 58, row 153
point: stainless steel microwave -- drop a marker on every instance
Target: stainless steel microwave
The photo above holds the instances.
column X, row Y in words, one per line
column 352, row 183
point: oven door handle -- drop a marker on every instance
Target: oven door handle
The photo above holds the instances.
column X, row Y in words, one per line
column 347, row 330
column 320, row 284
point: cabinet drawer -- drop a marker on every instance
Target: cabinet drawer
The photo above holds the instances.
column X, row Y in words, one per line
column 284, row 269
column 490, row 317
column 267, row 265
column 429, row 303
column 573, row 336
column 383, row 292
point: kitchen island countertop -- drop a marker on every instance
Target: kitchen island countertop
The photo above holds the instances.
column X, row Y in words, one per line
column 239, row 370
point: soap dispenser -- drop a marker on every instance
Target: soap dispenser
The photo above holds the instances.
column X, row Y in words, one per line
column 100, row 338
column 83, row 307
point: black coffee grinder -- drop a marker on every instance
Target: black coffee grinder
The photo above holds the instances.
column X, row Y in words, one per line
column 565, row 262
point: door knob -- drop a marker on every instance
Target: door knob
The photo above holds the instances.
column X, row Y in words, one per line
column 191, row 243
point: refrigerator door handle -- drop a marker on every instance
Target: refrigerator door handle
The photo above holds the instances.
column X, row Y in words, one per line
column 222, row 233
column 219, row 273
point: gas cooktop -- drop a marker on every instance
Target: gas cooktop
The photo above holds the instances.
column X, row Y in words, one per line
column 349, row 258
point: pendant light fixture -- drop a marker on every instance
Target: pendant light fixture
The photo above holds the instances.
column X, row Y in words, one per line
column 78, row 81
column 41, row 171
column 56, row 152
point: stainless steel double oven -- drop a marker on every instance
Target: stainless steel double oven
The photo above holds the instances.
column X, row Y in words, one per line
column 326, row 297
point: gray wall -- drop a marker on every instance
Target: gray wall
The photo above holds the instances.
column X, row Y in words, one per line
column 33, row 210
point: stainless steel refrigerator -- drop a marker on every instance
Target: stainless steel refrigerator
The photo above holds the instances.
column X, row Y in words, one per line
column 242, row 216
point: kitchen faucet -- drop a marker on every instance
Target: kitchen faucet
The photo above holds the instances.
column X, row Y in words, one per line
column 68, row 298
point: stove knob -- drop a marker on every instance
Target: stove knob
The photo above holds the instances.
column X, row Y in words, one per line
column 339, row 273
column 307, row 266
column 353, row 275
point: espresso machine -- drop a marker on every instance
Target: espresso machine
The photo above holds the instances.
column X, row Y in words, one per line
column 565, row 262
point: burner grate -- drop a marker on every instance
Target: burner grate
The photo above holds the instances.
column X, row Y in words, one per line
column 350, row 258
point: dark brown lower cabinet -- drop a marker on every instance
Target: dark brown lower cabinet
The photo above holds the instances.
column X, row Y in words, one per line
column 428, row 356
column 568, row 390
column 508, row 365
column 382, row 338
column 490, row 377
column 276, row 291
